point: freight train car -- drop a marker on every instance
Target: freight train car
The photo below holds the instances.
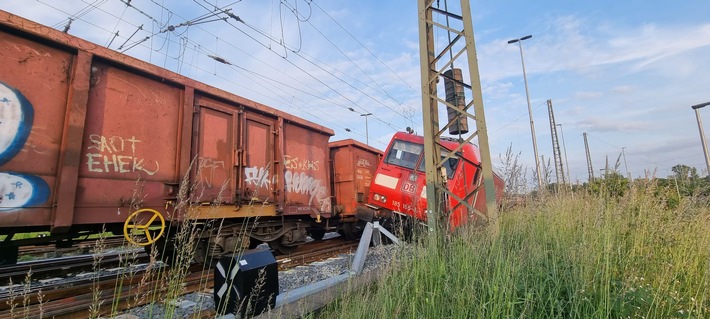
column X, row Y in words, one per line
column 398, row 186
column 354, row 164
column 95, row 140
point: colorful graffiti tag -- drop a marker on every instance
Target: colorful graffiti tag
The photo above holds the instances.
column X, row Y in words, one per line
column 302, row 183
column 19, row 190
column 16, row 118
column 257, row 176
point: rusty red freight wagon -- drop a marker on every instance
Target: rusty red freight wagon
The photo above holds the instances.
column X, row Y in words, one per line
column 354, row 165
column 89, row 136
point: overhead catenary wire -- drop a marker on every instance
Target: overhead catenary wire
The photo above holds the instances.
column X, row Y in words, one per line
column 270, row 88
column 381, row 62
column 85, row 10
column 619, row 147
column 518, row 118
column 236, row 18
column 257, row 75
column 297, row 50
column 330, row 87
column 365, row 47
column 182, row 45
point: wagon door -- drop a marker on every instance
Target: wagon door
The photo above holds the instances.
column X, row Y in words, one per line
column 213, row 167
column 260, row 176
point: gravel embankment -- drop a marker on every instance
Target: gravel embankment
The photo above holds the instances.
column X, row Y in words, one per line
column 377, row 257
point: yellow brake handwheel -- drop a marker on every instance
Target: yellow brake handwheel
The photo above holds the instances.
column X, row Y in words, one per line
column 143, row 227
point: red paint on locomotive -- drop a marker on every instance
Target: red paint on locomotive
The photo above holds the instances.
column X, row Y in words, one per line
column 399, row 185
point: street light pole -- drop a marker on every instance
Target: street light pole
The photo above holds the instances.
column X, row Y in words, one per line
column 519, row 41
column 367, row 134
column 702, row 133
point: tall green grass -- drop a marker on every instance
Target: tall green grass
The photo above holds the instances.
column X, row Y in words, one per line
column 565, row 256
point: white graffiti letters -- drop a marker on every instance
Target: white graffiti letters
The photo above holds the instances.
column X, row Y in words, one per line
column 114, row 144
column 362, row 162
column 304, row 184
column 116, row 154
column 206, row 168
column 258, row 176
column 300, row 164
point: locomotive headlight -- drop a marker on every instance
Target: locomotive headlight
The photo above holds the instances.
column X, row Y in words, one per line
column 383, row 199
column 376, row 197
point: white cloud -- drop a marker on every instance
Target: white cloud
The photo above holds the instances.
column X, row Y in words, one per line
column 587, row 95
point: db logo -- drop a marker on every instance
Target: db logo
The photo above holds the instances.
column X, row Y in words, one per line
column 408, row 187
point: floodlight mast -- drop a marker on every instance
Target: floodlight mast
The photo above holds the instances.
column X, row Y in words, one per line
column 702, row 133
column 532, row 123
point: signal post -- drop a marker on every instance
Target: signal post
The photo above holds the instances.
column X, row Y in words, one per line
column 459, row 53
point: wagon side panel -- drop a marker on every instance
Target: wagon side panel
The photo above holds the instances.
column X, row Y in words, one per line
column 130, row 145
column 354, row 165
column 34, row 85
column 305, row 170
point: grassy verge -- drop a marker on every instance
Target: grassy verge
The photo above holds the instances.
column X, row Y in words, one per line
column 580, row 256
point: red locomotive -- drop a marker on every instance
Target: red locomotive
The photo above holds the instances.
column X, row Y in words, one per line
column 399, row 185
column 93, row 140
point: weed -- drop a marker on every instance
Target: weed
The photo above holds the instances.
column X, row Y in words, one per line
column 581, row 256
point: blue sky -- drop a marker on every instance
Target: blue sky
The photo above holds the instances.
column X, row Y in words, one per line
column 625, row 72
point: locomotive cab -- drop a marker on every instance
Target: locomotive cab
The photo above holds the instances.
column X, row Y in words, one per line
column 399, row 185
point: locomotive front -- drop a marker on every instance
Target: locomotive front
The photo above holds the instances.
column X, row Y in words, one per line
column 398, row 188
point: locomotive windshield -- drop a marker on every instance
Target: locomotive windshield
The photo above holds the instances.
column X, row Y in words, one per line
column 450, row 164
column 405, row 154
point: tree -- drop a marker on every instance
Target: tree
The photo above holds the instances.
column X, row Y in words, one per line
column 613, row 184
column 685, row 172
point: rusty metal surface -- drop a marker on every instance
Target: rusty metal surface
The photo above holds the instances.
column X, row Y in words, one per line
column 306, row 181
column 214, row 140
column 33, row 95
column 353, row 166
column 70, row 156
column 258, row 171
column 225, row 211
column 129, row 145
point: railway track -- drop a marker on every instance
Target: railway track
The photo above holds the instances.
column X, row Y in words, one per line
column 111, row 293
column 46, row 269
column 79, row 247
column 316, row 251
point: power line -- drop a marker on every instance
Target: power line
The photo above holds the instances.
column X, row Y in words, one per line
column 365, row 47
column 284, row 44
column 182, row 40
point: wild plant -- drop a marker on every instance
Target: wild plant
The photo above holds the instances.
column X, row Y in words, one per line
column 582, row 256
column 96, row 293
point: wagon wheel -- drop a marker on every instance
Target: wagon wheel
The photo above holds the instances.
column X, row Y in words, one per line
column 140, row 227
